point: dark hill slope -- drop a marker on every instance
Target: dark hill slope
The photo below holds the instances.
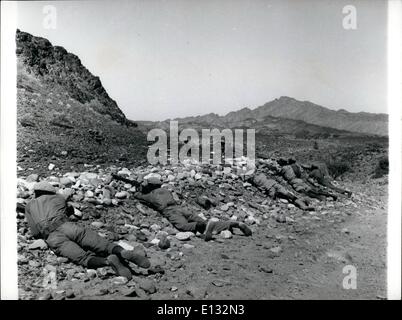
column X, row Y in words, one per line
column 62, row 107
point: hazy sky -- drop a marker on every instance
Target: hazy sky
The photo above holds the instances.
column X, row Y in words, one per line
column 166, row 59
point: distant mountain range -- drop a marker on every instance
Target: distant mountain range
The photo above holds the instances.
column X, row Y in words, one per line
column 308, row 112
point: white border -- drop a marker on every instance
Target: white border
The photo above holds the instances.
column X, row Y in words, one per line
column 8, row 158
column 8, row 165
column 394, row 55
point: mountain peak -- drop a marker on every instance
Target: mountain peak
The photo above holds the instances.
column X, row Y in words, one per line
column 54, row 64
column 62, row 107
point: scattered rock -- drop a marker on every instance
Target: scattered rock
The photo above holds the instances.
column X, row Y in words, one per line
column 188, row 246
column 70, row 294
column 121, row 195
column 164, row 243
column 265, row 269
column 148, row 286
column 45, row 296
column 276, row 250
column 34, row 263
column 182, row 236
column 38, row 244
column 345, row 230
column 32, row 178
column 97, row 224
column 218, row 283
column 120, row 280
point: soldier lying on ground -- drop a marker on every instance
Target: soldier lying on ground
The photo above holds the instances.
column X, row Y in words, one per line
column 274, row 190
column 48, row 218
column 182, row 218
column 320, row 176
column 298, row 179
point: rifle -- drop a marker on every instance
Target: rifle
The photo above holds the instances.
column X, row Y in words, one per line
column 132, row 182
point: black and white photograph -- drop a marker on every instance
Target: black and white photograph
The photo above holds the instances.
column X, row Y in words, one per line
column 201, row 150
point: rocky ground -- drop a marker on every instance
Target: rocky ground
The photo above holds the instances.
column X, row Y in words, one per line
column 292, row 254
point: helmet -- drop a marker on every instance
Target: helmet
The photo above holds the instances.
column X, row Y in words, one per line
column 44, row 186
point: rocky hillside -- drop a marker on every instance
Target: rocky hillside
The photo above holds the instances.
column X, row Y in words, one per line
column 310, row 113
column 64, row 113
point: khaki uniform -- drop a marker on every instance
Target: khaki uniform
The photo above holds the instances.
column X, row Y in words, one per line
column 47, row 218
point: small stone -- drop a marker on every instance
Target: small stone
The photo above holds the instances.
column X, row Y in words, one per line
column 51, row 166
column 182, row 236
column 164, row 243
column 121, row 195
column 97, row 224
column 102, row 292
column 173, row 289
column 45, row 296
column 181, row 176
column 188, row 246
column 265, row 269
column 251, row 220
column 62, row 259
column 77, row 213
column 107, row 202
column 67, row 182
column 70, row 294
column 345, row 230
column 92, row 274
column 89, row 194
column 120, row 280
column 124, row 172
column 155, row 227
column 148, row 286
column 198, row 176
column 218, row 283
column 32, row 178
column 155, row 241
column 128, row 292
column 38, row 244
column 289, row 220
column 34, row 264
column 281, row 218
column 276, row 250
